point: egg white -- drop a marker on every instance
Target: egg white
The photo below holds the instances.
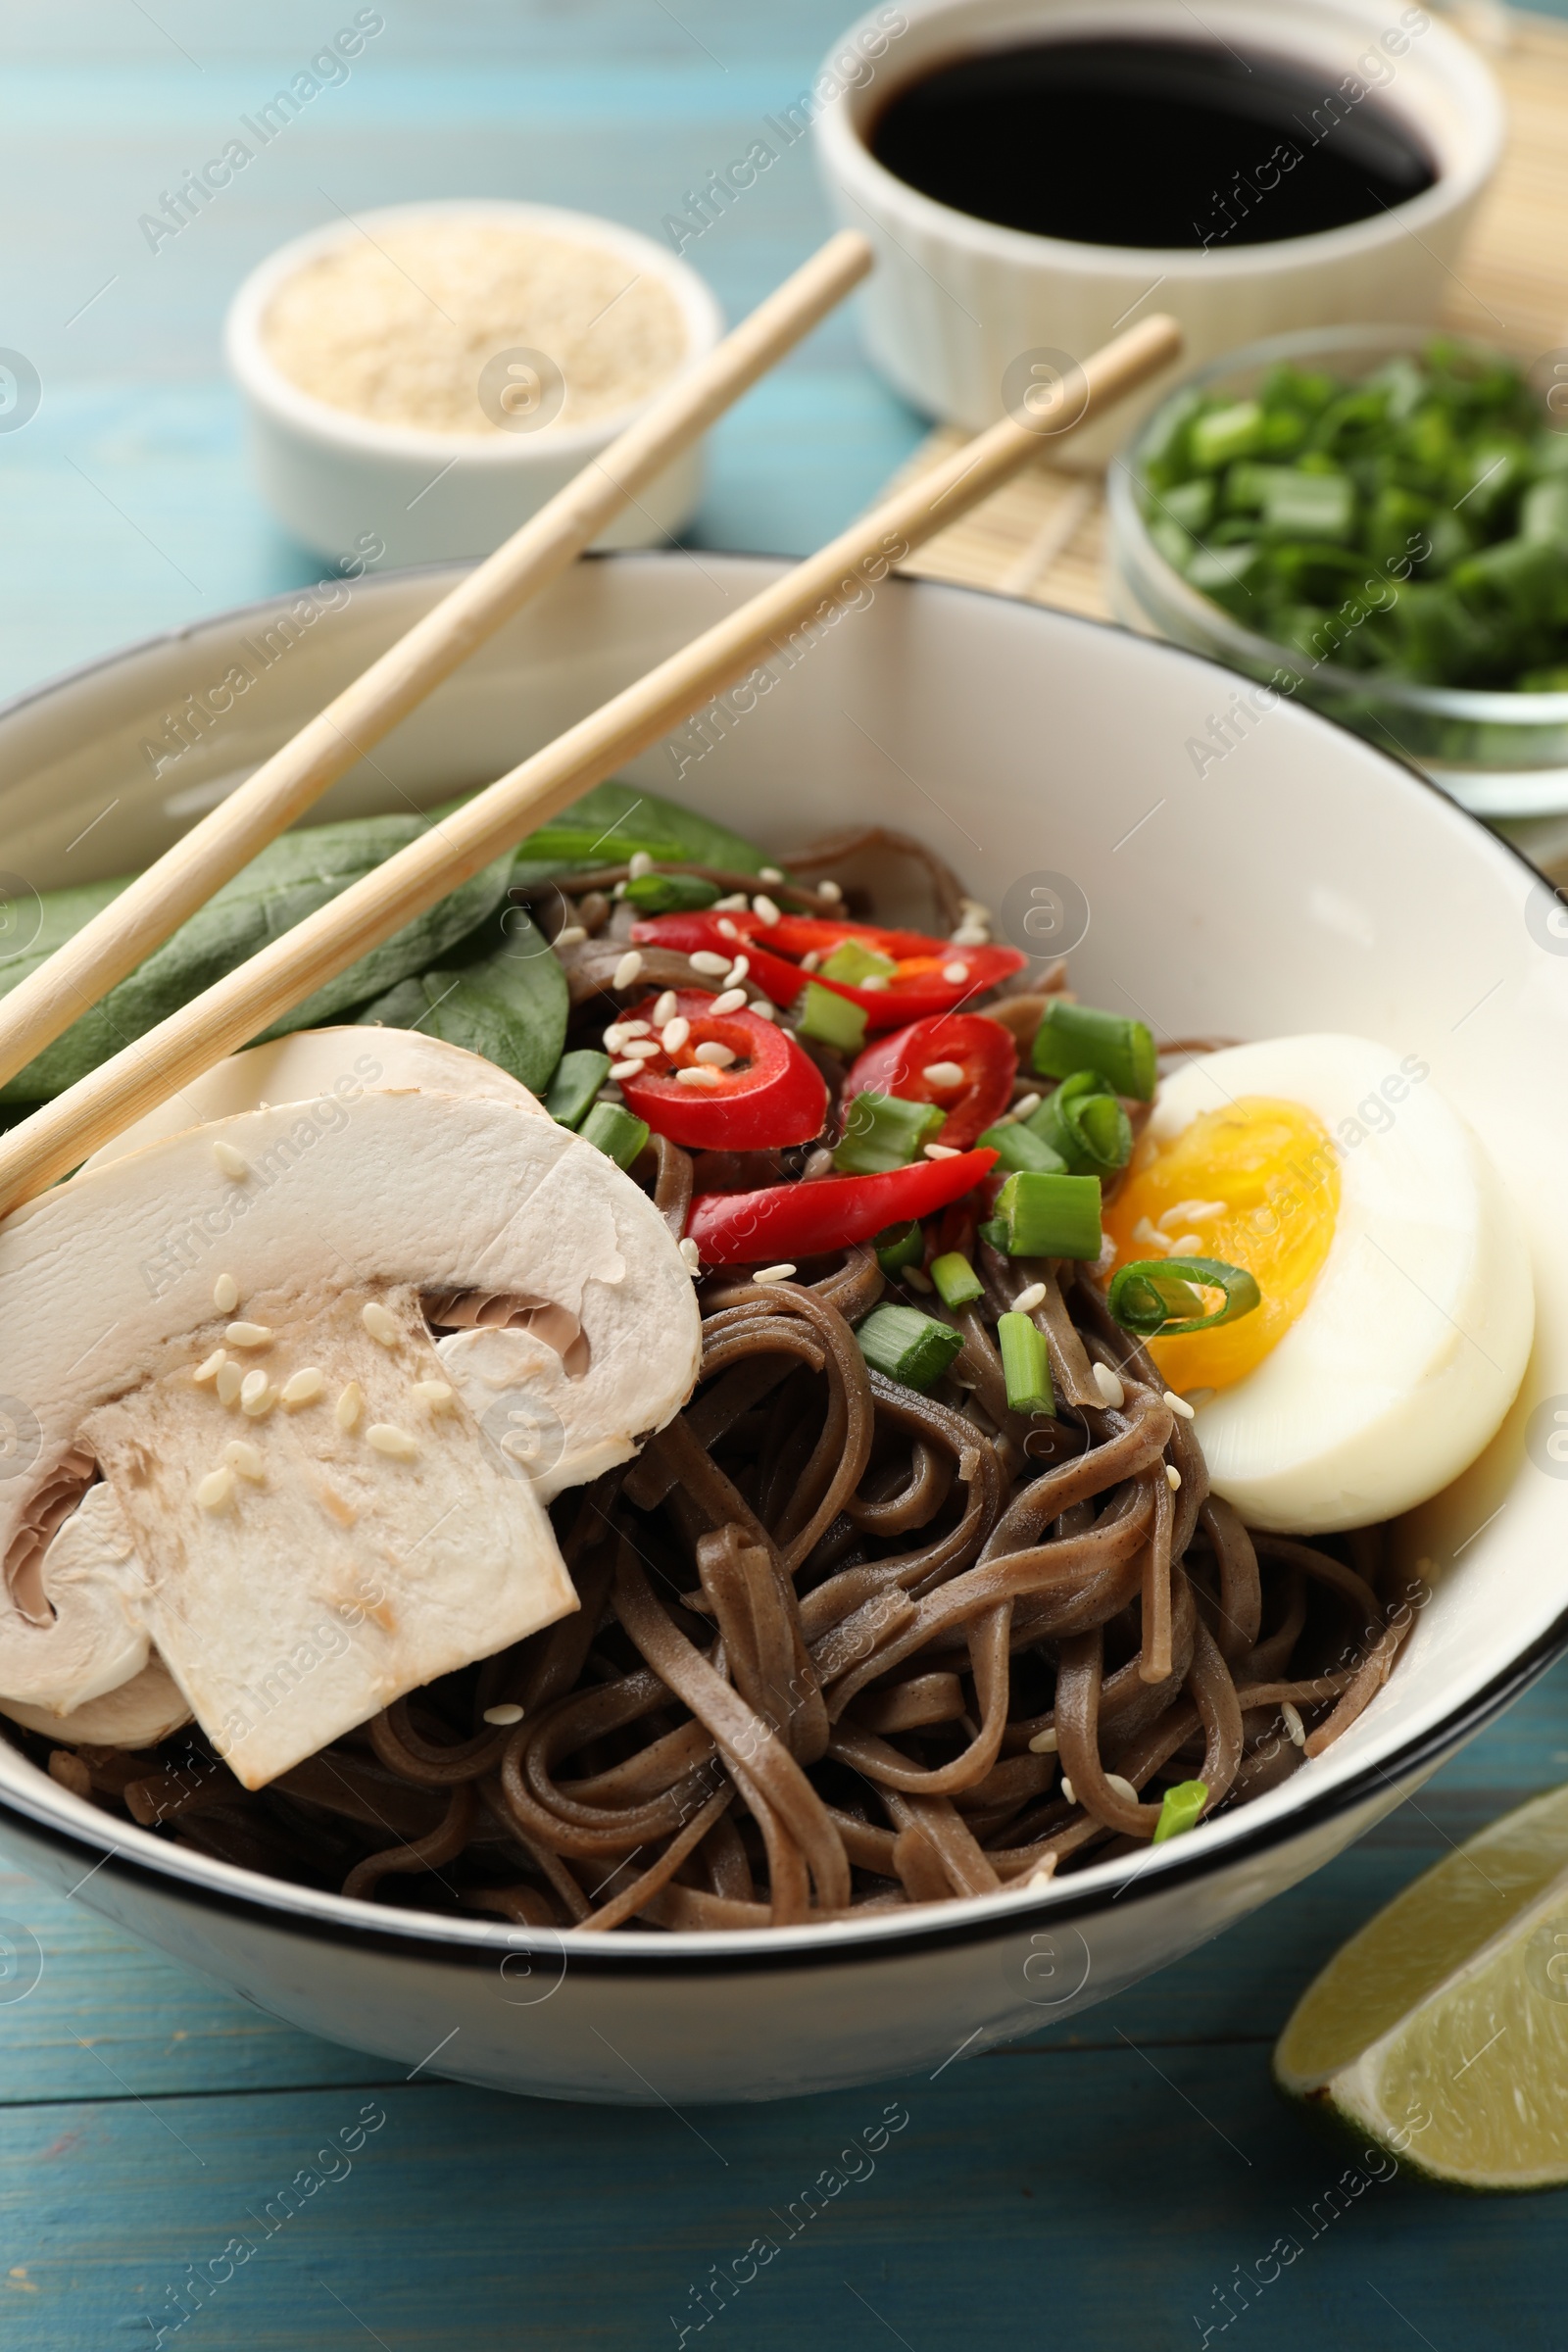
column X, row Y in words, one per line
column 1414, row 1341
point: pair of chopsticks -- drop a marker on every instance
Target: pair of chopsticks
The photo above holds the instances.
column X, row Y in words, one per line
column 62, row 1132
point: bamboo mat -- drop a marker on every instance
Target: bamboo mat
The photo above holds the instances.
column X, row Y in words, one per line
column 1043, row 537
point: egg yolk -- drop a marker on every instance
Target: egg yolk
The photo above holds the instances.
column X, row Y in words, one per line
column 1256, row 1185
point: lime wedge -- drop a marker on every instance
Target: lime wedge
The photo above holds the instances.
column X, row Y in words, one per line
column 1441, row 2030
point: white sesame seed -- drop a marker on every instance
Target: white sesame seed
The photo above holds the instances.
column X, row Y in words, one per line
column 636, row 1028
column 346, row 1411
column 726, row 929
column 620, row 891
column 710, row 965
column 257, row 1396
column 763, row 1010
column 942, row 1150
column 303, row 1388
column 384, row 1437
column 1110, row 1387
column 230, row 1380
column 212, row 1367
column 943, row 1073
column 225, row 1294
column 717, row 1057
column 770, row 873
column 246, row 1458
column 380, row 1323
column 642, row 1049
column 434, row 1394
column 701, row 1074
column 735, row 904
column 674, row 1033
column 1178, row 1404
column 973, row 910
column 691, row 1254
column 829, row 890
column 1293, row 1723
column 874, row 981
column 625, row 1070
column 1041, row 1878
column 765, row 908
column 1044, row 1743
column 969, row 935
column 810, row 959
column 503, row 1716
column 916, row 1279
column 1025, row 1106
column 572, row 936
column 233, row 1162
column 215, row 1490
column 613, row 1039
column 732, row 1000
column 665, row 1009
column 1067, row 1789
column 249, row 1334
column 640, row 863
column 954, row 971
column 1122, row 1786
column 1173, row 1477
column 1027, row 1300
column 737, row 972
column 767, row 1274
column 1186, row 1244
column 627, row 969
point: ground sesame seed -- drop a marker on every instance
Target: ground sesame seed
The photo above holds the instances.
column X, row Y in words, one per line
column 303, row 1388
column 954, row 971
column 640, row 863
column 665, row 1009
column 1027, row 1300
column 1178, row 1404
column 384, row 1437
column 732, row 999
column 249, row 1334
column 503, row 1716
column 257, row 1396
column 1067, row 1789
column 225, row 1294
column 246, row 1458
column 1122, row 1786
column 1173, row 1477
column 829, row 890
column 434, row 1394
column 1293, row 1723
column 737, row 972
column 810, row 959
column 212, row 1367
column 380, row 1323
column 627, row 969
column 770, row 873
column 1110, row 1387
column 1044, row 1743
column 675, row 1034
column 701, row 1074
column 943, row 1073
column 709, row 962
column 230, row 1380
column 767, row 1274
column 765, row 908
column 215, row 1490
column 572, row 936
column 715, row 1055
column 346, row 1411
column 233, row 1162
column 942, row 1150
column 625, row 1070
column 1025, row 1106
column 691, row 1256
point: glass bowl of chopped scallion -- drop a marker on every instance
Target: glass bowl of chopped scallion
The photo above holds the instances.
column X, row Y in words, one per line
column 1374, row 520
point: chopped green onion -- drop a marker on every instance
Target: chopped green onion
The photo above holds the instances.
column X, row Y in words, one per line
column 882, row 1132
column 1085, row 1125
column 615, row 1132
column 1215, row 439
column 1544, row 513
column 1045, row 1215
column 1076, row 1037
column 900, row 1247
column 1026, row 1365
column 1019, row 1145
column 995, row 1232
column 1181, row 1810
column 577, row 1079
column 671, row 894
column 957, row 1282
column 853, row 964
column 1157, row 1297
column 906, row 1345
column 831, row 1019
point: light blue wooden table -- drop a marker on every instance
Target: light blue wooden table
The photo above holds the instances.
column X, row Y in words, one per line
column 1094, row 2189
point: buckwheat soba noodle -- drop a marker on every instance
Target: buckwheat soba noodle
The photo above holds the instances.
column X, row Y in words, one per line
column 851, row 1639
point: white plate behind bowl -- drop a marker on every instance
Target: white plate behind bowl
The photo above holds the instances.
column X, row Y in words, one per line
column 1305, row 882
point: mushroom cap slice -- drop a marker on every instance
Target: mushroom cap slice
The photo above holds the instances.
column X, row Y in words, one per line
column 96, row 1588
column 138, row 1714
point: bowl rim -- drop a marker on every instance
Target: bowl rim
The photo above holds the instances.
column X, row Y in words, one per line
column 1237, row 646
column 845, row 150
column 281, row 1906
column 261, row 379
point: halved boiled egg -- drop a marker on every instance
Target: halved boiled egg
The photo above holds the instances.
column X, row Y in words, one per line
column 1397, row 1311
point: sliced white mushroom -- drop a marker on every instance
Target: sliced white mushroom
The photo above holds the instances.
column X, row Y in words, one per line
column 438, row 1550
column 138, row 1714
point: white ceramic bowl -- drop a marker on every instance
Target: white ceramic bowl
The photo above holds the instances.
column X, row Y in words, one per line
column 1307, row 882
column 337, row 480
column 954, row 300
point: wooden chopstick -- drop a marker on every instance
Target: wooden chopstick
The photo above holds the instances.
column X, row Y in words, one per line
column 284, row 786
column 237, row 1007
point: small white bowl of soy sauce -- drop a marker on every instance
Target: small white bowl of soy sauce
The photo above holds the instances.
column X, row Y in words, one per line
column 1036, row 174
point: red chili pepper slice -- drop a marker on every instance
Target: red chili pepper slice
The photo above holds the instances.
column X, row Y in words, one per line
column 771, row 1094
column 982, row 1058
column 807, row 1220
column 686, row 934
column 816, row 935
column 932, row 975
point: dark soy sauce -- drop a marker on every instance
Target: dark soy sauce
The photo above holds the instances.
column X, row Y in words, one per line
column 1159, row 143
